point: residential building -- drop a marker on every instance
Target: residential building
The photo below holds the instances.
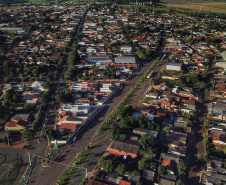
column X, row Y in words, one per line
column 124, row 148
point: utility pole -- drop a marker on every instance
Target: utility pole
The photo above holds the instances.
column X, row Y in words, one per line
column 47, row 139
column 86, row 173
column 29, row 158
column 136, row 6
column 8, row 138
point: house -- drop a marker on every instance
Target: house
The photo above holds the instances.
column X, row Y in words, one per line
column 95, row 182
column 138, row 39
column 188, row 108
column 126, row 61
column 91, row 50
column 218, row 109
column 165, row 104
column 21, row 116
column 168, row 180
column 171, row 166
column 143, row 131
column 124, row 148
column 83, row 101
column 221, row 64
column 174, row 66
column 177, row 148
column 123, row 182
column 70, row 120
column 214, row 163
column 223, row 55
column 31, row 96
column 215, row 178
column 152, row 95
column 54, row 57
column 149, row 175
column 177, row 137
column 37, row 86
column 134, row 178
column 16, row 125
column 113, row 178
column 126, row 49
column 67, row 128
column 219, row 140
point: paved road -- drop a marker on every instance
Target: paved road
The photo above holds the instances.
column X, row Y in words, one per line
column 48, row 175
column 105, row 141
column 195, row 145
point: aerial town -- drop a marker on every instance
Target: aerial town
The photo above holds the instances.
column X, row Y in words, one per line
column 111, row 93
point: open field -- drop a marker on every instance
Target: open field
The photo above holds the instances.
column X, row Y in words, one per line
column 219, row 7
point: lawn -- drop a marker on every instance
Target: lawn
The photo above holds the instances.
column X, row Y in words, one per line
column 27, row 173
column 2, row 158
column 68, row 174
column 9, row 176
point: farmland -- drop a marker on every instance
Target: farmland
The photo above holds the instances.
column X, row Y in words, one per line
column 219, row 7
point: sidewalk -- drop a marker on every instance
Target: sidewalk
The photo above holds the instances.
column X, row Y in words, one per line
column 15, row 144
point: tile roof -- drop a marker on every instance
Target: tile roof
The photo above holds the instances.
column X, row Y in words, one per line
column 165, row 103
column 166, row 162
column 69, row 126
column 65, row 113
column 11, row 124
column 122, row 182
column 215, row 137
column 94, row 182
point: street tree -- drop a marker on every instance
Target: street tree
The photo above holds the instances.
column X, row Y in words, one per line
column 206, row 124
column 28, row 135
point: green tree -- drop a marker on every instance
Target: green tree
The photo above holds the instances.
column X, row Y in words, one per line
column 205, row 138
column 143, row 164
column 148, row 141
column 28, row 135
column 121, row 169
column 44, row 98
column 206, row 124
column 8, row 96
column 180, row 182
column 152, row 165
column 106, row 164
column 123, row 137
column 143, row 121
column 161, row 170
column 126, row 111
column 181, row 167
column 115, row 132
column 166, row 129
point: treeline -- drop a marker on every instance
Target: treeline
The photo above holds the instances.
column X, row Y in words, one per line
column 8, row 2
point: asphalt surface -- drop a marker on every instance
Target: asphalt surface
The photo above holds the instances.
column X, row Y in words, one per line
column 195, row 145
column 49, row 175
column 104, row 142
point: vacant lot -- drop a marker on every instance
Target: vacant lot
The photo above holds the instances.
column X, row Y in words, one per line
column 210, row 7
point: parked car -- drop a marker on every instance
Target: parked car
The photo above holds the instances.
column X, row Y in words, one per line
column 74, row 139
